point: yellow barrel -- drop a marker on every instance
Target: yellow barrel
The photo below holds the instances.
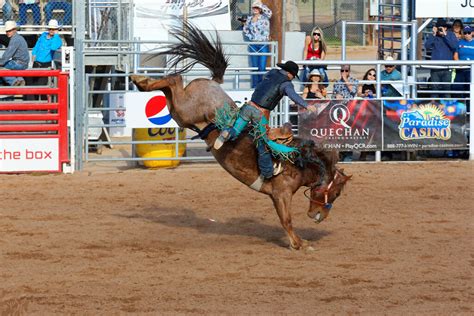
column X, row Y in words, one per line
column 159, row 150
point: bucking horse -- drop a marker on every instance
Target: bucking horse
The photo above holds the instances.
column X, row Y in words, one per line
column 194, row 107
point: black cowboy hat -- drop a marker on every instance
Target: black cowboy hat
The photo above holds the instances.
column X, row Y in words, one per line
column 291, row 67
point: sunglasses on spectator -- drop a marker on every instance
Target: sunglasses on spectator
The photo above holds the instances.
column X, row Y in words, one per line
column 371, row 74
column 319, row 34
column 389, row 66
column 467, row 33
column 345, row 70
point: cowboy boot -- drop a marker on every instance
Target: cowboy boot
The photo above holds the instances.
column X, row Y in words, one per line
column 230, row 133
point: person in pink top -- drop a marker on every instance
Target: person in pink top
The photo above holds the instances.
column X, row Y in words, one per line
column 315, row 49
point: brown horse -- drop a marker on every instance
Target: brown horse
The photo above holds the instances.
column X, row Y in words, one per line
column 194, row 107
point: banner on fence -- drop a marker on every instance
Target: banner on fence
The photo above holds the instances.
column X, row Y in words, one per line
column 424, row 125
column 29, row 154
column 343, row 125
column 147, row 110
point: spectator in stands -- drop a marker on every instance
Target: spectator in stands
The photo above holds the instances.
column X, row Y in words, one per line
column 16, row 56
column 59, row 5
column 315, row 89
column 443, row 44
column 33, row 5
column 390, row 74
column 465, row 52
column 368, row 90
column 7, row 10
column 458, row 28
column 257, row 29
column 43, row 52
column 346, row 87
column 315, row 49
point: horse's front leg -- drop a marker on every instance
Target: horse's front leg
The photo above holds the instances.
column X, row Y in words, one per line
column 282, row 202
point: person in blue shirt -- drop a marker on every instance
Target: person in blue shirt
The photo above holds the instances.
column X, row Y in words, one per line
column 275, row 85
column 43, row 52
column 443, row 44
column 465, row 52
column 390, row 74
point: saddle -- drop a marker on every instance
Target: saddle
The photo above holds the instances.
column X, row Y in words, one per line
column 281, row 135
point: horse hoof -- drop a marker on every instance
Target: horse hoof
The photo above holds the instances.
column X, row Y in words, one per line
column 306, row 246
column 309, row 248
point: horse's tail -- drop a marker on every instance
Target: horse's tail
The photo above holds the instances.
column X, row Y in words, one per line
column 194, row 45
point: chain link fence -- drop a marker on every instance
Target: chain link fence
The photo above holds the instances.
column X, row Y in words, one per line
column 303, row 15
column 39, row 12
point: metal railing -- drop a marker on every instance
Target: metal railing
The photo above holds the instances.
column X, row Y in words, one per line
column 132, row 55
column 409, row 85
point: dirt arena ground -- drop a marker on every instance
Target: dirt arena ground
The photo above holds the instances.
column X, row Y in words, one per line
column 193, row 240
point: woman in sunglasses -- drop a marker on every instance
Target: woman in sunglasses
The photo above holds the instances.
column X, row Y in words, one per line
column 367, row 90
column 315, row 49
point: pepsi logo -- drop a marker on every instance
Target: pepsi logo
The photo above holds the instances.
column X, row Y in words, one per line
column 156, row 110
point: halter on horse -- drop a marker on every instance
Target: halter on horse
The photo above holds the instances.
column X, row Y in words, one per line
column 194, row 106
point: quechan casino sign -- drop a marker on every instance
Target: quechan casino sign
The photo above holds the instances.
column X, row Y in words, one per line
column 343, row 125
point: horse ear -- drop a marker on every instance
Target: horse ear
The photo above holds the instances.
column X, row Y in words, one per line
column 349, row 177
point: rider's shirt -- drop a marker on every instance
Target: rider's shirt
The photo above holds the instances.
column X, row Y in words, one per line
column 272, row 88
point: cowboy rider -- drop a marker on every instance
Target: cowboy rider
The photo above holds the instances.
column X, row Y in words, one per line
column 268, row 93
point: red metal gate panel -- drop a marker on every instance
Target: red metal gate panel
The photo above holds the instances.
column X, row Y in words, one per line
column 34, row 121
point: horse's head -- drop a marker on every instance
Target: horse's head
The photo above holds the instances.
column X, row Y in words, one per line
column 323, row 196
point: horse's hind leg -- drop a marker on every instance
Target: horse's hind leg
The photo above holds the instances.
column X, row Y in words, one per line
column 145, row 83
column 282, row 202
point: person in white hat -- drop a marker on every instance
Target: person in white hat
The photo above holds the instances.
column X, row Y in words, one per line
column 257, row 29
column 315, row 89
column 43, row 52
column 46, row 45
column 390, row 73
column 16, row 56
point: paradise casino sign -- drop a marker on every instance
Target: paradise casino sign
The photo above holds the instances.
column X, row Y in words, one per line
column 424, row 123
column 421, row 125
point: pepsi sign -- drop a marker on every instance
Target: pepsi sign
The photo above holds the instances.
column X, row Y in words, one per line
column 147, row 110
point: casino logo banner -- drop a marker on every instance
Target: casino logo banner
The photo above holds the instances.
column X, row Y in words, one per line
column 424, row 125
column 343, row 125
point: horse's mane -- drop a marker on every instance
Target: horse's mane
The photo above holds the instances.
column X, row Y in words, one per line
column 194, row 47
column 313, row 158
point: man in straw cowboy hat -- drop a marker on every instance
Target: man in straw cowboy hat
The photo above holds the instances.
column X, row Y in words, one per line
column 268, row 93
column 16, row 56
column 43, row 52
